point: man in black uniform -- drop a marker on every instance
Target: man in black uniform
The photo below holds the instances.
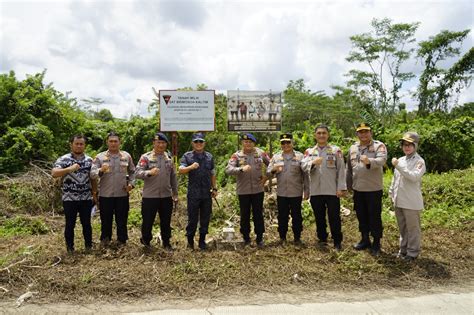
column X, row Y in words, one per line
column 199, row 164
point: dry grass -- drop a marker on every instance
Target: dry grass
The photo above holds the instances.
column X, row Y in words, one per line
column 39, row 263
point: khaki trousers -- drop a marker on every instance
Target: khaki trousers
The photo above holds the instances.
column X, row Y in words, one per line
column 410, row 231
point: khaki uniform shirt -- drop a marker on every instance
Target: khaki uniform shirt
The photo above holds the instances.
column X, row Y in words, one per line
column 162, row 185
column 405, row 189
column 361, row 177
column 248, row 182
column 114, row 183
column 330, row 176
column 293, row 180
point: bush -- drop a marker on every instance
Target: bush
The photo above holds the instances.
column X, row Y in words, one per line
column 448, row 198
column 22, row 226
column 445, row 144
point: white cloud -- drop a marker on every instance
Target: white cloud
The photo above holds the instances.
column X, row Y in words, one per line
column 119, row 50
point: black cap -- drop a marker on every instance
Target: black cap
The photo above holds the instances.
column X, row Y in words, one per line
column 286, row 137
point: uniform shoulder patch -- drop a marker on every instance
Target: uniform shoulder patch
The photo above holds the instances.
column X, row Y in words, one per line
column 381, row 147
column 143, row 160
column 234, row 157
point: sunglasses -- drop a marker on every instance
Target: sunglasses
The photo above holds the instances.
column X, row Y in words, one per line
column 285, row 142
column 198, row 141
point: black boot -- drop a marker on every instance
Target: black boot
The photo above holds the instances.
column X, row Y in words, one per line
column 167, row 245
column 364, row 242
column 146, row 244
column 375, row 250
column 297, row 239
column 246, row 240
column 259, row 241
column 202, row 241
column 191, row 242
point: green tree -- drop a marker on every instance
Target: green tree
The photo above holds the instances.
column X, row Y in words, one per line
column 383, row 50
column 437, row 86
column 301, row 104
column 103, row 115
column 35, row 122
column 304, row 109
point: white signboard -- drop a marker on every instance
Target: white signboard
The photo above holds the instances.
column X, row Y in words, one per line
column 187, row 110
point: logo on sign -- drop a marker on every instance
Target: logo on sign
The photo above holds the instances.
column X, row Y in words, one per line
column 167, row 98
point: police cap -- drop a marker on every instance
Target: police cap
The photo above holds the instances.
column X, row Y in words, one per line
column 161, row 136
column 248, row 136
column 363, row 126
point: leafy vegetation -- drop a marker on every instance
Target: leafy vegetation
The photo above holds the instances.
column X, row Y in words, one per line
column 21, row 225
column 36, row 120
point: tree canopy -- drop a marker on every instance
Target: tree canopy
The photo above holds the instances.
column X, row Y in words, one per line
column 36, row 120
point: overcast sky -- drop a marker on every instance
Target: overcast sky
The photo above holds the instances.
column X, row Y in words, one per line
column 118, row 50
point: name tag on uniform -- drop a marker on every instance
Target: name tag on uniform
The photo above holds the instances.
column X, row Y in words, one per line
column 330, row 161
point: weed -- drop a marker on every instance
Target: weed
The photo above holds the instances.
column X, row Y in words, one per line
column 134, row 217
column 21, row 225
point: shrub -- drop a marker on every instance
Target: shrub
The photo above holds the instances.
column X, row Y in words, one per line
column 23, row 226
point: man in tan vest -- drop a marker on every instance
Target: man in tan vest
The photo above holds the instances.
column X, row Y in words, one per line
column 365, row 177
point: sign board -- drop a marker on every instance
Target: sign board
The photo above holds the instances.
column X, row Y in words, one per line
column 254, row 110
column 187, row 110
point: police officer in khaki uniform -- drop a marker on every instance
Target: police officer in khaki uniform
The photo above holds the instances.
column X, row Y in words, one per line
column 116, row 172
column 293, row 186
column 248, row 166
column 405, row 192
column 325, row 164
column 160, row 190
column 365, row 176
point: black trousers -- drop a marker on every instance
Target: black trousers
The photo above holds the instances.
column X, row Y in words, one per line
column 164, row 207
column 287, row 206
column 199, row 210
column 368, row 207
column 252, row 203
column 108, row 207
column 71, row 209
column 332, row 204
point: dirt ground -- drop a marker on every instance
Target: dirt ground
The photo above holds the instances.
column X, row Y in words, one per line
column 131, row 278
column 294, row 297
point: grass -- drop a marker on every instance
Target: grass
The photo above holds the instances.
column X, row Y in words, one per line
column 22, row 225
column 39, row 262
